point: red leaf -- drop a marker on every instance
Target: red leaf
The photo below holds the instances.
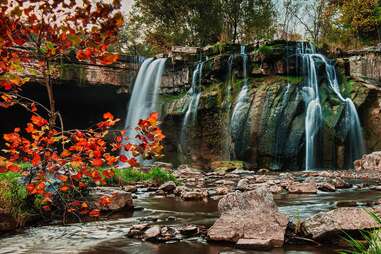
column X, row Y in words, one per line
column 108, row 116
column 97, row 162
column 123, row 158
column 95, row 213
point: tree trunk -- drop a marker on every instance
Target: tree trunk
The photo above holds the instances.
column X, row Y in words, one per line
column 52, row 102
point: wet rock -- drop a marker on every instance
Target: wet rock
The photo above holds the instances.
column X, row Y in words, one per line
column 194, row 195
column 225, row 182
column 226, row 166
column 327, row 187
column 326, row 224
column 302, row 188
column 369, row 162
column 7, row 222
column 243, row 184
column 263, row 171
column 120, row 199
column 275, row 189
column 130, row 188
column 168, row 187
column 152, row 233
column 340, row 183
column 189, row 230
column 249, row 215
column 254, row 244
column 222, row 190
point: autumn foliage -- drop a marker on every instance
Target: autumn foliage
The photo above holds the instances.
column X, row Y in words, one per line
column 65, row 164
column 35, row 36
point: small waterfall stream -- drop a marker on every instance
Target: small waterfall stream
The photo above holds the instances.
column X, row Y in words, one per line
column 314, row 115
column 241, row 107
column 191, row 109
column 145, row 92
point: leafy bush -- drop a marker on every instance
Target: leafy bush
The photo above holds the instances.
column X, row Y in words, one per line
column 13, row 196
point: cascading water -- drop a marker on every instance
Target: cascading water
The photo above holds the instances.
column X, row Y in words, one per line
column 145, row 93
column 191, row 110
column 314, row 115
column 241, row 108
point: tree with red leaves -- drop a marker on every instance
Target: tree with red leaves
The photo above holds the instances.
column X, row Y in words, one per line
column 34, row 36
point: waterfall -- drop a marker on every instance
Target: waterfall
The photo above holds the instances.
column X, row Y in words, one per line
column 314, row 115
column 145, row 92
column 241, row 108
column 191, row 109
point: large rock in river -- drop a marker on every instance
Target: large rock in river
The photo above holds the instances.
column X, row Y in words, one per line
column 250, row 219
column 327, row 224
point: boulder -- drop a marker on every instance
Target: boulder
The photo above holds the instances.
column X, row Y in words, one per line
column 251, row 219
column 168, row 187
column 325, row 224
column 369, row 162
column 226, row 166
column 120, row 199
column 302, row 188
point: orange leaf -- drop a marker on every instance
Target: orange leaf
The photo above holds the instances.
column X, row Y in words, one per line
column 108, row 116
column 64, row 188
column 97, row 162
column 63, row 178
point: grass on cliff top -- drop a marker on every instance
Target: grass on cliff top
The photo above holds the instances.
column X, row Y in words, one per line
column 13, row 195
column 155, row 175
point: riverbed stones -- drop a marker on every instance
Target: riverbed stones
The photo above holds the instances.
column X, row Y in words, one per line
column 250, row 215
column 302, row 188
column 120, row 199
column 326, row 224
column 164, row 233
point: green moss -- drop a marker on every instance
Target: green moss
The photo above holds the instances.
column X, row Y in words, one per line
column 171, row 97
column 156, row 175
column 13, row 197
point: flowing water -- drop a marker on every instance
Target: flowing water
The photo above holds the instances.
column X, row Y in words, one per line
column 144, row 96
column 191, row 110
column 110, row 236
column 314, row 115
column 241, row 108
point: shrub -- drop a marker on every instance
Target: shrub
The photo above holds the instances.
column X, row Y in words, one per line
column 13, row 197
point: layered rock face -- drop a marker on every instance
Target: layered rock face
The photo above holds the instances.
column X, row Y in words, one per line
column 273, row 132
column 250, row 219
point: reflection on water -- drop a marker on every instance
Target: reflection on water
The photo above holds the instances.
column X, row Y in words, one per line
column 110, row 236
